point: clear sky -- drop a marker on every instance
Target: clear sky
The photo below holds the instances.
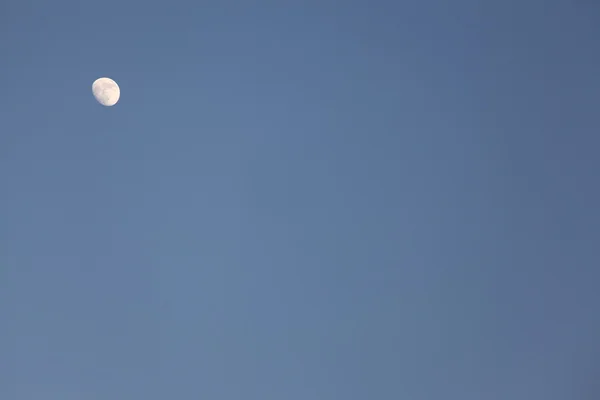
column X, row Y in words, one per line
column 300, row 200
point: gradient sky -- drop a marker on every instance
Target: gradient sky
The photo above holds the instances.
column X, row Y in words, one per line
column 300, row 200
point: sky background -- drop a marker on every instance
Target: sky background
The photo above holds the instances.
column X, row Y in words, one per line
column 302, row 200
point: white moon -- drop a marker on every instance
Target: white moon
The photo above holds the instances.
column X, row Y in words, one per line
column 106, row 91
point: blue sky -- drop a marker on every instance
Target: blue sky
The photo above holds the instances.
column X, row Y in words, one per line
column 300, row 200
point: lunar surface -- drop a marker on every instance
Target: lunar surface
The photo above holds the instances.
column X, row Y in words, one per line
column 106, row 91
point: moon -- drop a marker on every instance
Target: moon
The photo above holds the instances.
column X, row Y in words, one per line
column 106, row 91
